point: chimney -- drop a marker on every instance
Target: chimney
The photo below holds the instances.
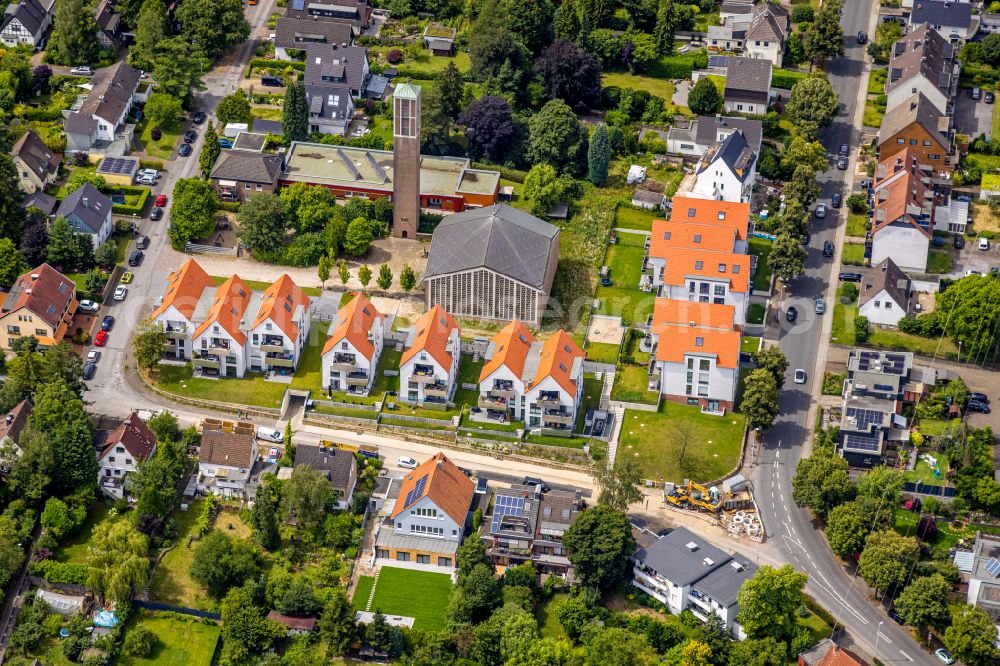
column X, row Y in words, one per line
column 86, row 201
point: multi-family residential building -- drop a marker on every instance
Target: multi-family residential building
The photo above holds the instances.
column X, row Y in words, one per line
column 706, row 276
column 885, row 294
column 695, row 138
column 226, row 459
column 97, row 125
column 88, row 212
column 727, row 171
column 120, row 453
column 696, row 353
column 429, row 365
column 427, row 519
column 916, row 124
column 956, row 21
column 923, row 62
column 296, row 34
column 684, row 572
column 37, row 166
column 492, row 263
column 26, row 22
column 354, row 346
column 502, row 379
column 355, row 13
column 526, row 525
column 339, row 466
column 40, row 303
column 334, row 76
column 903, row 215
column 748, row 86
column 984, row 579
column 226, row 329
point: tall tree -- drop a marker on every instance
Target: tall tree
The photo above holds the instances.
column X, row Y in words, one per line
column 148, row 345
column 246, row 631
column 12, row 264
column 489, row 127
column 35, row 238
column 885, row 562
column 295, row 113
column 768, row 603
column 178, row 68
column 571, row 74
column 599, row 156
column 72, row 42
column 336, row 623
column 567, row 21
column 760, row 399
column 558, row 138
column 773, row 360
column 812, row 105
column 619, row 483
column 234, row 108
column 343, row 272
column 663, row 33
column 600, row 543
column 450, row 88
column 212, row 26
column 221, row 562
column 972, row 637
column 11, row 196
column 364, row 275
column 788, row 257
column 924, row 602
column 323, row 270
column 530, row 21
column 308, row 496
column 846, row 529
column 704, row 98
column 117, row 562
column 151, row 28
column 824, row 39
column 435, row 127
column 59, row 414
column 491, row 44
column 192, row 215
column 821, row 482
column 210, row 150
column 803, row 189
column 407, row 278
column 384, row 279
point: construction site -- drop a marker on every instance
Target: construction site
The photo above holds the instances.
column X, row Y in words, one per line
column 731, row 506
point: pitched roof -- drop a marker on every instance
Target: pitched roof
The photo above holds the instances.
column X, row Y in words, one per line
column 731, row 268
column 134, row 435
column 230, row 448
column 916, row 109
column 558, row 355
column 901, row 197
column 36, row 155
column 433, row 330
column 44, row 291
column 668, row 235
column 29, row 13
column 332, row 64
column 87, row 204
column 354, row 321
column 339, row 465
column 888, row 277
column 227, row 309
column 768, row 25
column 295, row 622
column 941, row 12
column 247, row 165
column 748, row 78
column 108, row 20
column 510, row 348
column 184, row 287
column 716, row 213
column 708, row 129
column 922, row 52
column 296, row 33
column 14, row 421
column 500, row 238
column 685, row 327
column 281, row 300
column 445, row 485
column 111, row 91
column 79, row 123
column 734, row 152
column 42, row 201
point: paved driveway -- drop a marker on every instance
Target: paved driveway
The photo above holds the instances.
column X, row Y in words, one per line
column 972, row 258
column 972, row 117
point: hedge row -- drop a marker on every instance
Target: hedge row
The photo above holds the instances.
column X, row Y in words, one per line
column 40, row 114
column 979, row 74
column 126, row 209
column 230, row 206
column 60, row 572
column 276, row 64
column 785, row 78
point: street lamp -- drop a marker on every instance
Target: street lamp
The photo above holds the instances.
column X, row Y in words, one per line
column 878, row 631
column 959, row 351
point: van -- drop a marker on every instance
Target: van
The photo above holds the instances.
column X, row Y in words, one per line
column 270, row 435
column 984, row 243
column 406, row 463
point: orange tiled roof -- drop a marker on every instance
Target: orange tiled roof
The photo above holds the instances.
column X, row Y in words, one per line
column 667, row 236
column 900, row 194
column 558, row 354
column 709, row 211
column 280, row 301
column 184, row 287
column 511, row 345
column 354, row 321
column 46, row 293
column 839, row 657
column 734, row 268
column 228, row 306
column 446, row 486
column 433, row 330
column 695, row 328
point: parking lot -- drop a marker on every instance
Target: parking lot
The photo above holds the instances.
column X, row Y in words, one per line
column 972, row 117
column 972, row 258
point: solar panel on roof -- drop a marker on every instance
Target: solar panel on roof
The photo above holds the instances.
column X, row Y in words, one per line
column 866, row 417
column 993, row 567
column 417, row 492
column 861, row 443
column 718, row 61
column 506, row 506
column 116, row 165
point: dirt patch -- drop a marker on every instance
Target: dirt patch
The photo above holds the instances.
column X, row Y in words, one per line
column 619, row 603
column 604, row 329
column 985, row 219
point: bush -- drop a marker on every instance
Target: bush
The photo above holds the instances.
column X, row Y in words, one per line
column 140, row 641
column 60, row 572
column 675, row 67
column 784, row 78
column 861, row 332
column 156, row 134
column 395, row 56
column 858, row 203
column 803, row 14
column 849, row 293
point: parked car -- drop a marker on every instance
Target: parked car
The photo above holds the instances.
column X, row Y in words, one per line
column 89, row 370
column 89, row 306
column 270, row 434
column 93, row 356
column 184, row 150
column 800, row 376
column 959, row 242
column 820, row 306
column 806, row 239
column 271, row 81
column 127, row 277
column 142, row 242
column 944, row 656
column 101, row 339
column 979, row 397
column 81, row 71
column 156, row 214
column 198, row 118
column 791, row 315
column 842, row 163
column 896, row 617
column 148, row 172
column 406, row 462
column 121, row 291
column 848, row 276
column 145, row 180
column 828, row 248
column 190, row 136
column 976, row 93
column 107, row 323
column 937, row 241
column 136, row 258
column 821, row 211
column 976, row 406
column 535, row 481
column 161, row 200
column 971, row 272
column 862, row 38
column 984, row 243
column 989, row 98
column 225, row 142
column 844, row 149
column 836, row 200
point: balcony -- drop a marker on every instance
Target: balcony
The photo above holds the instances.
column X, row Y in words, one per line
column 174, row 333
column 344, row 362
column 216, row 346
column 206, row 361
column 423, row 379
column 502, row 389
column 547, row 399
column 492, row 401
column 359, row 378
column 271, row 348
column 282, row 361
column 439, row 404
column 436, row 390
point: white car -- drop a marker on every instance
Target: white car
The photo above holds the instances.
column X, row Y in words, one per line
column 89, row 306
column 820, row 306
column 800, row 376
column 145, row 180
column 81, row 71
column 93, row 355
column 821, row 211
column 407, row 463
column 153, row 173
column 121, row 291
column 270, row 435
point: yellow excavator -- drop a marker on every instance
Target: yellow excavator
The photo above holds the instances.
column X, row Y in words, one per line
column 675, row 495
column 701, row 497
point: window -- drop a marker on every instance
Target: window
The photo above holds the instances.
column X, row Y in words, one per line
column 128, row 461
column 704, row 364
column 258, row 188
column 111, row 459
column 698, row 265
column 913, row 142
column 426, row 513
column 699, row 342
column 14, row 330
column 722, row 268
column 933, row 157
column 927, row 143
column 119, row 449
column 739, row 107
column 888, row 305
column 40, row 332
column 877, row 304
column 402, row 557
column 690, row 363
column 703, row 287
column 720, row 290
column 444, row 561
column 736, row 269
column 423, row 559
column 901, row 141
column 246, row 186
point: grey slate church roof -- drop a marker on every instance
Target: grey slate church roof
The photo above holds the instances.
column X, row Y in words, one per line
column 500, row 238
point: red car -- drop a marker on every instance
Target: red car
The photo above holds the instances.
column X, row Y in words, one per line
column 161, row 200
column 101, row 339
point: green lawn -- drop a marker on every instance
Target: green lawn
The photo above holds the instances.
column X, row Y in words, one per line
column 258, row 285
column 854, row 254
column 924, row 473
column 996, row 122
column 628, row 217
column 660, row 87
column 932, row 427
column 548, row 623
column 873, row 113
column 421, row 595
column 182, row 642
column 624, row 298
column 602, row 352
column 172, row 582
column 842, row 333
column 592, row 389
column 761, row 248
column 631, row 384
column 755, row 313
column 938, row 262
column 161, row 149
column 361, row 592
column 817, row 627
column 876, row 81
column 947, row 536
column 266, row 113
column 89, row 170
column 857, row 224
column 75, row 550
column 750, row 344
column 713, row 451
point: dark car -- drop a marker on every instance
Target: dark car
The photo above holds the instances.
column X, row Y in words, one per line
column 862, row 38
column 828, row 249
column 896, row 617
column 190, row 136
column 157, row 213
column 746, row 357
column 866, row 183
column 844, row 148
column 198, row 118
column 806, row 238
column 142, row 242
column 979, row 397
column 937, row 241
column 976, row 406
column 89, row 370
column 271, row 81
column 791, row 315
column 847, row 276
column 959, row 242
column 835, row 200
column 989, row 98
column 107, row 323
column 184, row 150
column 136, row 258
column 842, row 163
column 535, row 481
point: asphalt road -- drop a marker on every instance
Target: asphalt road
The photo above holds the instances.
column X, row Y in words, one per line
column 790, row 529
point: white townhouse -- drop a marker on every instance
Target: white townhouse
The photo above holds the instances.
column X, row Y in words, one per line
column 123, row 449
column 280, row 330
column 429, row 365
column 226, row 460
column 885, row 294
column 727, row 171
column 696, row 352
column 219, row 345
column 354, row 346
column 184, row 295
column 695, row 137
column 501, row 382
column 553, row 396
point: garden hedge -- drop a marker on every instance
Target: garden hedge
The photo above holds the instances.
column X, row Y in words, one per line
column 785, row 78
column 60, row 572
column 126, row 209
